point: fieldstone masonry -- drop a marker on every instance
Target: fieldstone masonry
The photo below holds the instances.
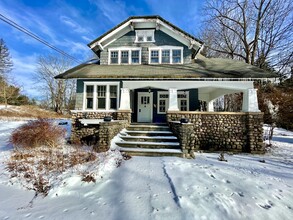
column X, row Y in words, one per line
column 100, row 134
column 218, row 131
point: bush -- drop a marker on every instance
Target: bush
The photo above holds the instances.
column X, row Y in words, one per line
column 41, row 132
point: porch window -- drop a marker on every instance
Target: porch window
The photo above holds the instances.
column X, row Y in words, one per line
column 114, row 57
column 163, row 101
column 124, row 57
column 135, row 56
column 89, row 97
column 176, row 58
column 101, row 97
column 113, row 97
column 165, row 56
column 154, row 56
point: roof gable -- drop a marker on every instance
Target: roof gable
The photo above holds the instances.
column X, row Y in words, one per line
column 145, row 22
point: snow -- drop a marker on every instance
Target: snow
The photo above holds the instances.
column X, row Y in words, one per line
column 245, row 187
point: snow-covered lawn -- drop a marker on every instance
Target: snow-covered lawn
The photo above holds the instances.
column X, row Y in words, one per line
column 164, row 188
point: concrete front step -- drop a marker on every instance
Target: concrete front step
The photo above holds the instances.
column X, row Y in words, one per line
column 152, row 152
column 149, row 145
column 149, row 133
column 148, row 128
column 150, row 138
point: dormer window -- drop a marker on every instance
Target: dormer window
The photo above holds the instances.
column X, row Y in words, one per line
column 142, row 36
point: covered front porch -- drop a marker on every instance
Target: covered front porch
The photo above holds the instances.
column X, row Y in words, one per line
column 151, row 100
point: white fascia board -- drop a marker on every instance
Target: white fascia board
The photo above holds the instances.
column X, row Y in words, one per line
column 113, row 33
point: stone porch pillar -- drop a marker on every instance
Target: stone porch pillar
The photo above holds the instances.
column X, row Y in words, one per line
column 173, row 103
column 250, row 103
column 125, row 99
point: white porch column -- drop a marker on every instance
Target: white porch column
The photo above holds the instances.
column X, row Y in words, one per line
column 173, row 103
column 250, row 103
column 125, row 99
column 210, row 106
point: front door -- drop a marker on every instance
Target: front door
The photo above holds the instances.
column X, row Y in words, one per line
column 144, row 107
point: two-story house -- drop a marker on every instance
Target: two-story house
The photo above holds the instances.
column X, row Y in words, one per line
column 151, row 71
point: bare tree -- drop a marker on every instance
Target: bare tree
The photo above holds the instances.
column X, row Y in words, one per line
column 249, row 30
column 59, row 93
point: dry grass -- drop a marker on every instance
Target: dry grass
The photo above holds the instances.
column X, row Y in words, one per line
column 37, row 133
column 28, row 111
column 36, row 166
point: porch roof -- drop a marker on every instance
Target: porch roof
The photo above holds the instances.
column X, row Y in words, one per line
column 202, row 67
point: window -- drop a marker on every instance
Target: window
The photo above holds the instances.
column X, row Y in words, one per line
column 89, row 97
column 124, row 55
column 166, row 55
column 101, row 96
column 114, row 57
column 135, row 56
column 176, row 58
column 154, row 56
column 113, row 97
column 144, row 36
column 163, row 101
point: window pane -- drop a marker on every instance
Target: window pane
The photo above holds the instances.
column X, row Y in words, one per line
column 140, row 38
column 176, row 56
column 89, row 97
column 162, row 106
column 114, row 57
column 113, row 91
column 183, row 105
column 113, row 103
column 149, row 38
column 124, row 56
column 101, row 91
column 165, row 56
column 154, row 56
column 135, row 56
column 101, row 103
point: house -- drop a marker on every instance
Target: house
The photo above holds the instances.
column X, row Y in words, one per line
column 150, row 71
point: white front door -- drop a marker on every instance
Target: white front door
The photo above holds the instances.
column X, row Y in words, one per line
column 145, row 107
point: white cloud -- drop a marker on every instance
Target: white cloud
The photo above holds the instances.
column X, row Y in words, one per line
column 114, row 11
column 72, row 24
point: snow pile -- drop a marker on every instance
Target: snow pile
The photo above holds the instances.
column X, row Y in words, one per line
column 245, row 187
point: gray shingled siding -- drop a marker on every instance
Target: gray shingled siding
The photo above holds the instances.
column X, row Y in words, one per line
column 161, row 39
column 79, row 95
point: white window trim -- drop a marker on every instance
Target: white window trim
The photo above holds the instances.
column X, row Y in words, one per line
column 95, row 84
column 144, row 34
column 119, row 49
column 167, row 100
column 171, row 48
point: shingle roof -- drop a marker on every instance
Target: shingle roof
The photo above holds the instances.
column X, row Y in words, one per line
column 201, row 68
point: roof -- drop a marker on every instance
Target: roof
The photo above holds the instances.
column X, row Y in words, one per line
column 135, row 20
column 201, row 68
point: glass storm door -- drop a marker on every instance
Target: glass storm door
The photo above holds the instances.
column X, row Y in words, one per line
column 144, row 107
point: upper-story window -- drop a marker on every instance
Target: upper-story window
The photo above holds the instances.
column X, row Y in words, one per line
column 142, row 36
column 166, row 55
column 125, row 55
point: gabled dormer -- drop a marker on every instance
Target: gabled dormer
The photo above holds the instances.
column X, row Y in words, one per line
column 145, row 40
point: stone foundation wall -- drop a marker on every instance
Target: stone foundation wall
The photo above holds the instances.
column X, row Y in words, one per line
column 217, row 131
column 101, row 134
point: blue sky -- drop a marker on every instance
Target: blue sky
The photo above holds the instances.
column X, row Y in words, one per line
column 71, row 24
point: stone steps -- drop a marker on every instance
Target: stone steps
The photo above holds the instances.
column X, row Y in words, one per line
column 149, row 140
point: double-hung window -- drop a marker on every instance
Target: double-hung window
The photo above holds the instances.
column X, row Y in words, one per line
column 166, row 55
column 125, row 55
column 101, row 96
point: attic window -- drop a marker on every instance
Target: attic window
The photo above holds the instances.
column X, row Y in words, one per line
column 144, row 36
